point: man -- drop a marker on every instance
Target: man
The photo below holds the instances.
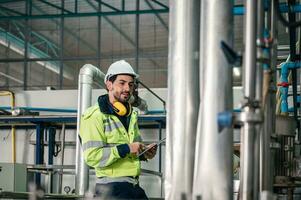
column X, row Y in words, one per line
column 111, row 140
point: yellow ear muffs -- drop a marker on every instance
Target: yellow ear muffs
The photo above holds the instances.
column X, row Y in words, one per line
column 121, row 109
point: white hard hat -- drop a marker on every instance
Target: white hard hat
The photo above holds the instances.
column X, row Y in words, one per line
column 120, row 67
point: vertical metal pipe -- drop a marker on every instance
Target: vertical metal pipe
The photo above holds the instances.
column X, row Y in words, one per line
column 63, row 133
column 256, row 165
column 39, row 150
column 51, row 145
column 269, row 113
column 247, row 180
column 266, row 169
column 213, row 175
column 274, row 35
column 264, row 131
column 183, row 98
column 260, row 37
column 266, row 174
column 87, row 75
column 259, row 96
column 248, row 186
column 249, row 72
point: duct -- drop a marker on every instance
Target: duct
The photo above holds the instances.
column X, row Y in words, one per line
column 213, row 177
column 87, row 75
column 183, row 98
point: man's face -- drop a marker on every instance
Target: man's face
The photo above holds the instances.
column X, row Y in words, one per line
column 122, row 88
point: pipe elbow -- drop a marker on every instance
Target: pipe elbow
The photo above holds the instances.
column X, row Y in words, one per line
column 90, row 70
column 89, row 73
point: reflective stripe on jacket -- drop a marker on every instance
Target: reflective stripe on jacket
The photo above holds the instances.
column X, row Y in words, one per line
column 100, row 134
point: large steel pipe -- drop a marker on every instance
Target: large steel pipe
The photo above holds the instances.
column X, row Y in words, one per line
column 183, row 97
column 213, row 177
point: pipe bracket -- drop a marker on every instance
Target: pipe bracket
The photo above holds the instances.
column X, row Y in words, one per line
column 248, row 117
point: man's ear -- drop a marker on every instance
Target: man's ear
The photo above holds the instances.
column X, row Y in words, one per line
column 109, row 85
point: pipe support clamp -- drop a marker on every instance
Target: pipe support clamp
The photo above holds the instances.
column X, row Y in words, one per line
column 248, row 117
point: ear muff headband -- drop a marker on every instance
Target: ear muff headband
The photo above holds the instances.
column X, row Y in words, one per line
column 121, row 109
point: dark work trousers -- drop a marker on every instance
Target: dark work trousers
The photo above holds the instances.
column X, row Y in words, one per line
column 119, row 190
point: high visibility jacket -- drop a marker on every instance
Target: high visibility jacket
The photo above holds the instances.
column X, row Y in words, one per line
column 101, row 134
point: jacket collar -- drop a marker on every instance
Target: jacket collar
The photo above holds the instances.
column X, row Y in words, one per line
column 105, row 105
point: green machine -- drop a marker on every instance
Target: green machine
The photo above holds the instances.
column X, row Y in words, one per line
column 13, row 177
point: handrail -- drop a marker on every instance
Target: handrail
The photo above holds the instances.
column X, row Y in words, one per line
column 164, row 103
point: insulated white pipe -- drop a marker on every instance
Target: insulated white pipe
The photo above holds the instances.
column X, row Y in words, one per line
column 87, row 75
column 183, row 98
column 213, row 175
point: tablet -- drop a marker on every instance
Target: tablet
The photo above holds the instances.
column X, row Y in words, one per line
column 156, row 144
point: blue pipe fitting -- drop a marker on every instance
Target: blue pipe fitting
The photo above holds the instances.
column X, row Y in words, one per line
column 224, row 119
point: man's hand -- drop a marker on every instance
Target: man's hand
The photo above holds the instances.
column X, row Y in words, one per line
column 136, row 148
column 152, row 152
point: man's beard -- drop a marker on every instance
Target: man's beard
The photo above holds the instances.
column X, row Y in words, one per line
column 122, row 100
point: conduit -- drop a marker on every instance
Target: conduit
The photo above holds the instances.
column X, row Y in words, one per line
column 87, row 75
